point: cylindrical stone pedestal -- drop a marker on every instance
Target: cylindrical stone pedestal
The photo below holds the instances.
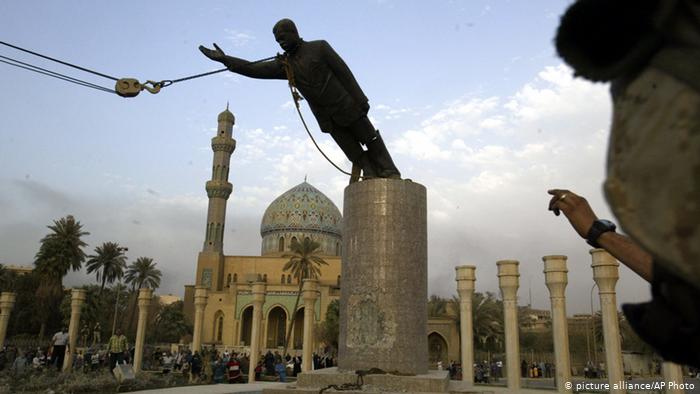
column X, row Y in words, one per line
column 508, row 281
column 556, row 279
column 465, row 289
column 76, row 303
column 672, row 373
column 7, row 302
column 310, row 294
column 258, row 290
column 383, row 309
column 144, row 303
column 605, row 275
column 200, row 303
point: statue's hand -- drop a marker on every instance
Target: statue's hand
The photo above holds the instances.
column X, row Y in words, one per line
column 214, row 54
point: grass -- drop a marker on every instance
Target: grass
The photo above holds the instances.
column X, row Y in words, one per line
column 52, row 382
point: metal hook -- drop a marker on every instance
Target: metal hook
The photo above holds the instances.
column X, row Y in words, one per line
column 153, row 90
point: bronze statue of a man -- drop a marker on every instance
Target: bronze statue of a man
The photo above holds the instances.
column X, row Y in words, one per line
column 333, row 94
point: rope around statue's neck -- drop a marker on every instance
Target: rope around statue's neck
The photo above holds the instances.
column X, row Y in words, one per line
column 297, row 97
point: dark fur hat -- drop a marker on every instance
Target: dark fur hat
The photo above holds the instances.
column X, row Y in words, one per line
column 604, row 40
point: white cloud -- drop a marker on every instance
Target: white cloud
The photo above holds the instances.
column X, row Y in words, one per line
column 239, row 38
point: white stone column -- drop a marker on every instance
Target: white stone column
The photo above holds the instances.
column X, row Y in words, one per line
column 200, row 304
column 76, row 303
column 605, row 275
column 672, row 372
column 465, row 288
column 310, row 294
column 556, row 279
column 145, row 296
column 7, row 302
column 508, row 281
column 258, row 301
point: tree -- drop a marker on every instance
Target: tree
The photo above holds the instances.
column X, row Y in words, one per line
column 170, row 324
column 487, row 314
column 437, row 306
column 60, row 251
column 141, row 273
column 7, row 279
column 304, row 263
column 108, row 263
column 330, row 328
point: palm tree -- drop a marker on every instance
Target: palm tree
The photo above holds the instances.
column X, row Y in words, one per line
column 7, row 279
column 141, row 273
column 304, row 263
column 437, row 306
column 487, row 318
column 108, row 263
column 60, row 251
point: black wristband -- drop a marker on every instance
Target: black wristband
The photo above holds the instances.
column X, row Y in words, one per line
column 597, row 229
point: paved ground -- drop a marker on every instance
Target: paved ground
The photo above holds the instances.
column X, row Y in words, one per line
column 246, row 388
column 543, row 386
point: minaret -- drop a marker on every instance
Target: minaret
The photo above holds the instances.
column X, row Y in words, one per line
column 219, row 188
column 210, row 263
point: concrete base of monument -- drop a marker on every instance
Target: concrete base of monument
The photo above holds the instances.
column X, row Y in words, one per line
column 431, row 383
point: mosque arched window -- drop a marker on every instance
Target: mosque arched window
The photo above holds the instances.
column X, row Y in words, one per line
column 289, row 279
column 228, row 280
column 337, row 248
column 280, row 246
column 282, row 280
column 294, row 239
column 338, row 280
column 307, row 239
column 218, row 326
column 235, row 278
column 265, row 278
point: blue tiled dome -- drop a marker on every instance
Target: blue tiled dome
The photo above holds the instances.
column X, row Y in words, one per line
column 302, row 208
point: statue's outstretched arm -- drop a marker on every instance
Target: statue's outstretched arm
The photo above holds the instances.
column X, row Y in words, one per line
column 272, row 69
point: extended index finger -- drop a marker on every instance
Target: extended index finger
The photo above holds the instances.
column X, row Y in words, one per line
column 217, row 48
column 557, row 192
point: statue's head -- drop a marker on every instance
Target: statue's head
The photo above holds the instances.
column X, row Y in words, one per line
column 286, row 35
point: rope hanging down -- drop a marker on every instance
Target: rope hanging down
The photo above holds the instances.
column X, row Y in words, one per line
column 297, row 97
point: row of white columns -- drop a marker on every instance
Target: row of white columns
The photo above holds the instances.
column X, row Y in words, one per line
column 310, row 294
column 605, row 275
column 78, row 297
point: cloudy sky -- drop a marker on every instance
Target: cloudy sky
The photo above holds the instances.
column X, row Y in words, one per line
column 469, row 95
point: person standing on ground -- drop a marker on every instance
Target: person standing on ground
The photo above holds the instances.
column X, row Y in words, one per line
column 58, row 353
column 117, row 347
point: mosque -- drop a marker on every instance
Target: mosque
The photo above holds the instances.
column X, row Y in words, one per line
column 301, row 212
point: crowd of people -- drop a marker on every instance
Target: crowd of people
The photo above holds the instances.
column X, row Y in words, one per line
column 540, row 369
column 93, row 358
column 209, row 365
